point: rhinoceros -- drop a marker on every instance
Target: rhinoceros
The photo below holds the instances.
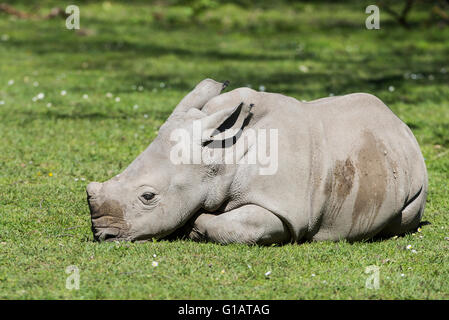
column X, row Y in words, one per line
column 346, row 168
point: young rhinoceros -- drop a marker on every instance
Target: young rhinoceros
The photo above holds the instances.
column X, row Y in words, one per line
column 344, row 168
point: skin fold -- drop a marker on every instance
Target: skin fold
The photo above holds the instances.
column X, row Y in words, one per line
column 346, row 168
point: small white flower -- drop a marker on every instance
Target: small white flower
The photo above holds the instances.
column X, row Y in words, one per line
column 83, row 179
column 402, row 275
column 414, row 251
column 408, row 247
column 85, row 96
column 10, row 82
column 35, row 84
column 313, row 274
column 108, row 95
column 135, row 107
column 162, row 85
column 267, row 273
column 34, row 99
column 117, row 99
column 154, row 256
column 262, row 88
column 63, row 93
column 2, row 102
column 49, row 105
column 145, row 116
column 391, row 88
column 419, row 229
column 40, row 96
column 154, row 263
column 249, row 266
column 76, row 179
column 303, row 68
column 140, row 88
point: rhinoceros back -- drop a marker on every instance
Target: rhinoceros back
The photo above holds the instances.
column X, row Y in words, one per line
column 374, row 167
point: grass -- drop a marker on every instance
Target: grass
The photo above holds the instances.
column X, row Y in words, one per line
column 149, row 57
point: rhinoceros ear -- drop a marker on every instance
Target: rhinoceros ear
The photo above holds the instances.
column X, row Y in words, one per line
column 223, row 120
column 203, row 92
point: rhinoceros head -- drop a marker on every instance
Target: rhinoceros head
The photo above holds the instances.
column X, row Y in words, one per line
column 155, row 195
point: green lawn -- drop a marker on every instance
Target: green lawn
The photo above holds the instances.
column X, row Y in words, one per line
column 121, row 78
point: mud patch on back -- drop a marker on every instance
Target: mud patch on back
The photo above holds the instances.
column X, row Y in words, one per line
column 373, row 179
column 344, row 178
column 339, row 186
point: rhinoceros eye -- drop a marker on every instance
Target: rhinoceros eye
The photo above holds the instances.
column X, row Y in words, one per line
column 147, row 196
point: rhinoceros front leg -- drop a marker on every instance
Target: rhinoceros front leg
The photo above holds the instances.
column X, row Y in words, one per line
column 249, row 224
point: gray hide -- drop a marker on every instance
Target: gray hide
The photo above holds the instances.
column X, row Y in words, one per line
column 347, row 168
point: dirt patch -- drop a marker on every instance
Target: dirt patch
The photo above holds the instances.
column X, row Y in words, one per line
column 372, row 169
column 339, row 186
column 344, row 178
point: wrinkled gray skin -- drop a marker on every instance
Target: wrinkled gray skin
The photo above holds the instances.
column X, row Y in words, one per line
column 348, row 169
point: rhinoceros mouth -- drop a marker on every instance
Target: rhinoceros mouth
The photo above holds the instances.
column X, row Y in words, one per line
column 107, row 234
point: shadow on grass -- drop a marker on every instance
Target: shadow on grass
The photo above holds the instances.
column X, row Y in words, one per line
column 30, row 116
column 181, row 234
column 383, row 238
column 340, row 72
column 133, row 49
